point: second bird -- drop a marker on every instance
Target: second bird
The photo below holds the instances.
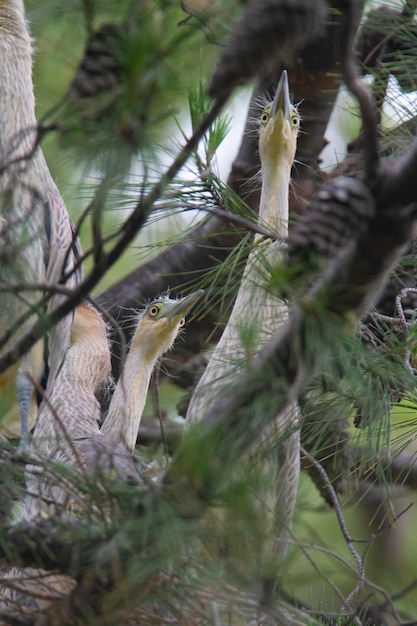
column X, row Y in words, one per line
column 155, row 334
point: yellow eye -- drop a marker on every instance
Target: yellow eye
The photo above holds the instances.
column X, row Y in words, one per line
column 265, row 115
column 295, row 119
column 182, row 322
column 154, row 310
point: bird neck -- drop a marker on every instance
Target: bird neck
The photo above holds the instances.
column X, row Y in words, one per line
column 17, row 103
column 129, row 398
column 273, row 207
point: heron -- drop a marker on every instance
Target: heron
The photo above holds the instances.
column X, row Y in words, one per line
column 157, row 328
column 67, row 434
column 258, row 312
column 68, row 424
column 68, row 431
column 72, row 409
column 38, row 243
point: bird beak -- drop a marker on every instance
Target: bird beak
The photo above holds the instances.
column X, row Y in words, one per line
column 281, row 100
column 183, row 305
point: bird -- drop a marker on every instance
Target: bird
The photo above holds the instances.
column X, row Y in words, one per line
column 67, row 435
column 157, row 328
column 38, row 242
column 73, row 409
column 68, row 429
column 68, row 425
column 257, row 314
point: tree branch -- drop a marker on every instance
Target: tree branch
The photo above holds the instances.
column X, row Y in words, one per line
column 131, row 226
column 281, row 372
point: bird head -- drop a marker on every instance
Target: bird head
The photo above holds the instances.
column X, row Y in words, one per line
column 160, row 322
column 280, row 123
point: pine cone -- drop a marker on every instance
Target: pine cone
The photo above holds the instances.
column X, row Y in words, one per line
column 338, row 213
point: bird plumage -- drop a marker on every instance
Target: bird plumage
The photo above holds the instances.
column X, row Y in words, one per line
column 279, row 126
column 67, row 430
column 68, row 426
column 257, row 312
column 67, row 437
column 157, row 328
column 37, row 240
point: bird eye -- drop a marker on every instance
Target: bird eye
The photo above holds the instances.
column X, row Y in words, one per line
column 265, row 116
column 154, row 310
column 182, row 322
column 295, row 119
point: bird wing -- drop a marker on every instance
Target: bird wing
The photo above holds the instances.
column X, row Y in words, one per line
column 63, row 266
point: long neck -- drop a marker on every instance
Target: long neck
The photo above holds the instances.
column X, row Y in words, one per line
column 128, row 401
column 273, row 207
column 17, row 103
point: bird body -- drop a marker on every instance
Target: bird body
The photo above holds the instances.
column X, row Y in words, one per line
column 155, row 334
column 71, row 413
column 257, row 312
column 68, row 425
column 67, row 435
column 37, row 240
column 72, row 409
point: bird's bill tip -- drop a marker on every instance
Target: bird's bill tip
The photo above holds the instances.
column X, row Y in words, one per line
column 183, row 305
column 281, row 100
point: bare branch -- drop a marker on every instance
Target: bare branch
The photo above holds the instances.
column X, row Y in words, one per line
column 369, row 127
column 280, row 373
column 397, row 184
column 270, row 31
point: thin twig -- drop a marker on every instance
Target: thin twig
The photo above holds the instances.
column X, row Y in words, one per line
column 236, row 219
column 157, row 405
column 88, row 10
column 347, row 606
column 352, row 78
